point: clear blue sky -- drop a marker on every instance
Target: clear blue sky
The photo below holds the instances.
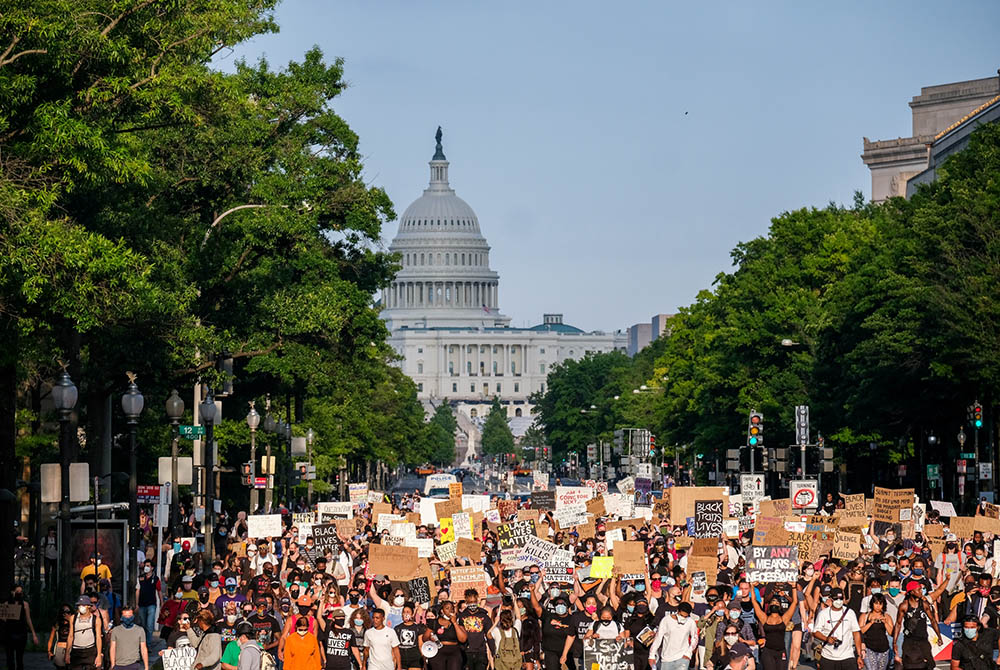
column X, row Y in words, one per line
column 616, row 152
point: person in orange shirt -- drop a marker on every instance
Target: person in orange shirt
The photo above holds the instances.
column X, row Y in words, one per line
column 302, row 650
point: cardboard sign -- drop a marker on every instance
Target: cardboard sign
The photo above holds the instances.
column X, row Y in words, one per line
column 608, row 655
column 507, row 509
column 682, row 499
column 536, row 551
column 447, row 508
column 380, row 508
column 337, row 510
column 987, row 524
column 528, row 514
column 544, row 500
column 962, row 526
column 775, row 508
column 468, row 548
column 179, row 658
column 602, row 567
column 854, row 509
column 424, row 545
column 707, row 564
column 708, row 518
column 346, row 528
column 807, row 548
column 325, row 536
column 263, row 525
column 944, row 508
column 10, row 611
column 462, row 525
column 471, row 577
column 455, row 492
column 705, row 546
column 772, row 564
column 630, row 558
column 661, row 507
column 595, row 506
column 846, row 546
column 420, row 590
column 515, row 534
column 396, row 562
column 447, row 551
column 358, row 493
column 889, row 502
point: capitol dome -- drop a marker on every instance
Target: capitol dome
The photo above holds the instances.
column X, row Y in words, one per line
column 445, row 279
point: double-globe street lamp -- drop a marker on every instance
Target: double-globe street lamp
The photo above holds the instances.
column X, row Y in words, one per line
column 253, row 420
column 175, row 410
column 208, row 413
column 132, row 403
column 64, row 397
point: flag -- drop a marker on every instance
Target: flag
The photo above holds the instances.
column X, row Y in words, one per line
column 486, row 309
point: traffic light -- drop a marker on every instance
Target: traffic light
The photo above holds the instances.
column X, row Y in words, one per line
column 755, row 429
column 977, row 415
column 247, row 474
column 802, row 424
column 652, row 445
column 591, row 453
column 619, row 441
column 825, row 454
column 778, row 459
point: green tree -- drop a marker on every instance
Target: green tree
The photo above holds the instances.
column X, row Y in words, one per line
column 497, row 438
column 442, row 428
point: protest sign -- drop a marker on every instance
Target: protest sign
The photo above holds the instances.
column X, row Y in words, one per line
column 507, row 509
column 424, row 545
column 470, row 577
column 846, row 546
column 358, row 493
column 772, row 564
column 708, row 518
column 643, row 487
column 447, row 529
column 559, row 570
column 661, row 506
column 544, row 500
column 396, row 562
column 854, row 509
column 944, row 508
column 775, row 508
column 571, row 495
column 571, row 515
column 536, row 551
column 704, row 546
column 492, row 515
column 526, row 514
column 462, row 524
column 619, row 505
column 608, row 655
column 889, row 502
column 962, row 526
column 404, row 529
column 428, row 512
column 325, row 537
column 420, row 590
column 595, row 506
column 707, row 564
column 541, row 479
column 682, row 499
column 346, row 528
column 447, row 508
column 303, row 517
column 807, row 548
column 305, row 531
column 612, row 536
column 475, row 503
column 10, row 611
column 731, row 528
column 699, row 583
column 602, row 567
column 179, row 658
column 262, row 525
column 626, row 485
column 455, row 492
column 447, row 551
column 466, row 548
column 630, row 557
column 337, row 510
column 515, row 534
column 385, row 521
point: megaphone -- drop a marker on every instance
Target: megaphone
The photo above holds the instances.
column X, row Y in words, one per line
column 430, row 648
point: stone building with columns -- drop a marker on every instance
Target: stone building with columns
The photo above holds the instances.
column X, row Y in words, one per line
column 443, row 312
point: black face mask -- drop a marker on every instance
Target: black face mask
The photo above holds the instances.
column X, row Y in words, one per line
column 338, row 622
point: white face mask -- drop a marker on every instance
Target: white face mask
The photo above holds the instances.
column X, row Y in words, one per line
column 731, row 639
column 838, row 603
column 398, row 601
column 83, row 609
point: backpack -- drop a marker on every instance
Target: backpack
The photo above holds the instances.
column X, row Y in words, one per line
column 508, row 651
column 266, row 659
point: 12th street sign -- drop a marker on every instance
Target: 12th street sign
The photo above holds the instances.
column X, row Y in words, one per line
column 191, row 432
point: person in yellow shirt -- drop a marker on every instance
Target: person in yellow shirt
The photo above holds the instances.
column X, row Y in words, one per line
column 95, row 567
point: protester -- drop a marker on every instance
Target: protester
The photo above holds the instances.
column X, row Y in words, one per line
column 15, row 631
column 127, row 647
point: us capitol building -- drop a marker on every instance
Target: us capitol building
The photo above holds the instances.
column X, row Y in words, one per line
column 443, row 312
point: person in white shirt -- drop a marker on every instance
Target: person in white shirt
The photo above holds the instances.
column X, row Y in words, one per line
column 381, row 645
column 837, row 628
column 676, row 640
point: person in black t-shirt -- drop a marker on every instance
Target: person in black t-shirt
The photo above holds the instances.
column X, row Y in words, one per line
column 339, row 645
column 555, row 630
column 580, row 622
column 266, row 629
column 409, row 633
column 974, row 649
column 476, row 622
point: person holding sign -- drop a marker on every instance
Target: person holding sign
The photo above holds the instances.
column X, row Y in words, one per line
column 773, row 622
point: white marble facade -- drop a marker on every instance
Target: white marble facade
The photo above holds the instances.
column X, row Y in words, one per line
column 442, row 309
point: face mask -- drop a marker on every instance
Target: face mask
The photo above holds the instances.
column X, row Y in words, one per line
column 560, row 609
column 231, row 618
column 970, row 632
column 979, row 557
column 128, row 621
column 203, row 598
column 838, row 603
column 398, row 601
column 682, row 618
column 300, row 566
column 179, row 595
column 82, row 609
column 907, row 552
column 918, row 572
column 774, row 609
column 354, row 600
column 605, row 622
column 876, row 590
column 893, row 591
column 890, row 538
column 407, row 616
column 338, row 622
column 214, row 584
column 884, row 567
column 301, row 631
column 533, row 578
column 630, row 608
column 731, row 639
column 147, row 569
column 641, row 586
column 655, row 584
column 359, row 622
column 553, row 593
column 734, row 614
column 177, row 546
column 591, row 609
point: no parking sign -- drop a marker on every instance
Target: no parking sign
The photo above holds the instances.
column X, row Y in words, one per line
column 804, row 493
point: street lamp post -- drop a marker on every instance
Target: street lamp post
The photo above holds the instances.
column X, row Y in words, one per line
column 208, row 410
column 269, row 426
column 132, row 402
column 253, row 420
column 175, row 410
column 288, row 468
column 64, row 396
column 310, row 436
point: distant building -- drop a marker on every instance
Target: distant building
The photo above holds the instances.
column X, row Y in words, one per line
column 642, row 335
column 939, row 111
column 639, row 336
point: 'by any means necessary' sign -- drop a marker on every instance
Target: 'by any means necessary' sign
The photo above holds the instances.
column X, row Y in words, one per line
column 772, row 564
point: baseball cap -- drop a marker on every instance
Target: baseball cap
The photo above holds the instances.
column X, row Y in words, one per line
column 825, row 590
column 304, row 601
column 285, row 601
column 231, row 581
column 203, row 590
column 837, row 593
column 83, row 600
column 185, row 544
column 738, row 650
column 187, row 578
column 913, row 586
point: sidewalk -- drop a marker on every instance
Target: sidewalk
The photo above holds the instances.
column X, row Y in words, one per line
column 37, row 660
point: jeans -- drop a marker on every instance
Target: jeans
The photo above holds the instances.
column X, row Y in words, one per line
column 680, row 664
column 147, row 619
